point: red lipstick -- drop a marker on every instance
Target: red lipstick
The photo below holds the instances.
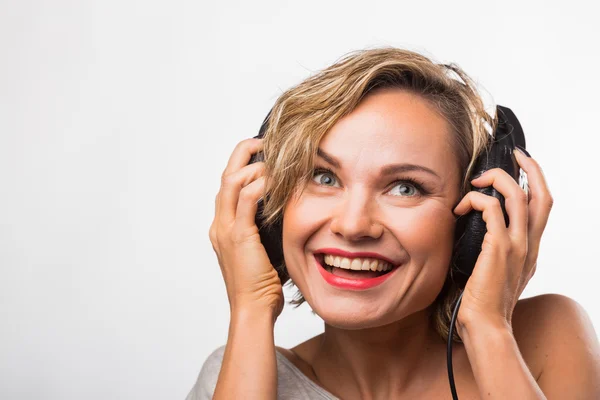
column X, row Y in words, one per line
column 352, row 284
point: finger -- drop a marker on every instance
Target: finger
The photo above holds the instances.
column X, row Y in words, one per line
column 515, row 200
column 541, row 199
column 212, row 232
column 240, row 157
column 217, row 204
column 248, row 205
column 237, row 161
column 490, row 208
column 230, row 190
column 540, row 205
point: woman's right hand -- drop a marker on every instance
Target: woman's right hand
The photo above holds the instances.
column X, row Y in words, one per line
column 251, row 280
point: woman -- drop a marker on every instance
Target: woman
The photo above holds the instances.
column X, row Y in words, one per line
column 369, row 164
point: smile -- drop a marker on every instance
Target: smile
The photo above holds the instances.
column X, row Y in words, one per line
column 348, row 275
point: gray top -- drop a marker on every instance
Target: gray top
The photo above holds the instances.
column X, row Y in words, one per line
column 292, row 384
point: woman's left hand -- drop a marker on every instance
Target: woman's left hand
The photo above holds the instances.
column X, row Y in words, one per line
column 508, row 255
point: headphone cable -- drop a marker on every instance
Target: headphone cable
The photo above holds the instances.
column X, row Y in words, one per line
column 449, row 350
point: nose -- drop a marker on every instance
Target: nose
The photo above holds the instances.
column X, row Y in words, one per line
column 354, row 218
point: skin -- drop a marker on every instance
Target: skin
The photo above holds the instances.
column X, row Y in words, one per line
column 377, row 343
column 359, row 210
column 561, row 371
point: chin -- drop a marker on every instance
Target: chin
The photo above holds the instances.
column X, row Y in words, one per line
column 347, row 313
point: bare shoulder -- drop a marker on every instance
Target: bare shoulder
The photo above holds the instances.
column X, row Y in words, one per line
column 559, row 344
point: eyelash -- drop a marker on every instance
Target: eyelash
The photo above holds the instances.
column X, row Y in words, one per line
column 416, row 183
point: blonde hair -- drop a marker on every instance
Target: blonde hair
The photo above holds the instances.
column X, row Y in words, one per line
column 303, row 114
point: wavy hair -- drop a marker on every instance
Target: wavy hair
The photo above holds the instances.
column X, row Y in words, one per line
column 303, row 114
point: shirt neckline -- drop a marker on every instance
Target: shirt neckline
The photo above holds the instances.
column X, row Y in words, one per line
column 305, row 378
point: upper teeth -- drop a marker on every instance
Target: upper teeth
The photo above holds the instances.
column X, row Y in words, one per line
column 366, row 264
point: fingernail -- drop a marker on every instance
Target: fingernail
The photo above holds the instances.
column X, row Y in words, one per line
column 523, row 150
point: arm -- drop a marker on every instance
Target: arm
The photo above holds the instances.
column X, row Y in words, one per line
column 249, row 368
column 567, row 343
column 254, row 291
column 497, row 364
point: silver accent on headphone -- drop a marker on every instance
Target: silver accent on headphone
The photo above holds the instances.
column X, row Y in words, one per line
column 523, row 182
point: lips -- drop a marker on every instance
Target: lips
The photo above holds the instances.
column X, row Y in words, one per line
column 351, row 280
column 349, row 273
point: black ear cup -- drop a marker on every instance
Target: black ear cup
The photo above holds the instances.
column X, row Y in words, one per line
column 471, row 228
column 270, row 236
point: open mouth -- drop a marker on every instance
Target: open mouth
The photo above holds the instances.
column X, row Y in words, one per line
column 345, row 271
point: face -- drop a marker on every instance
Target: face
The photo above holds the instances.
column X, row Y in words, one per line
column 358, row 207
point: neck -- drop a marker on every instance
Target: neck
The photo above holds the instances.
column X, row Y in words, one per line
column 379, row 362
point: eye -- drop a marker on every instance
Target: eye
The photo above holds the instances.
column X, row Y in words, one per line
column 325, row 173
column 408, row 188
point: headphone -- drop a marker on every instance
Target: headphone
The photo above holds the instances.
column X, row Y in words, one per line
column 470, row 228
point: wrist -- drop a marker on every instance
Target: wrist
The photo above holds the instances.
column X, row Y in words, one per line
column 253, row 315
column 482, row 326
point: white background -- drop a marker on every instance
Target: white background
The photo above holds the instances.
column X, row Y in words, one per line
column 118, row 117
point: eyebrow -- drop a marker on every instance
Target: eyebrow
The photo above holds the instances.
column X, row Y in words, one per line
column 387, row 170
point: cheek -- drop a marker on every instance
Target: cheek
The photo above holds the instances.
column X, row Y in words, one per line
column 427, row 235
column 305, row 219
column 424, row 231
column 304, row 214
column 301, row 218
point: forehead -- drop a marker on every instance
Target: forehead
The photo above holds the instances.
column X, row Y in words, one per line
column 391, row 126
